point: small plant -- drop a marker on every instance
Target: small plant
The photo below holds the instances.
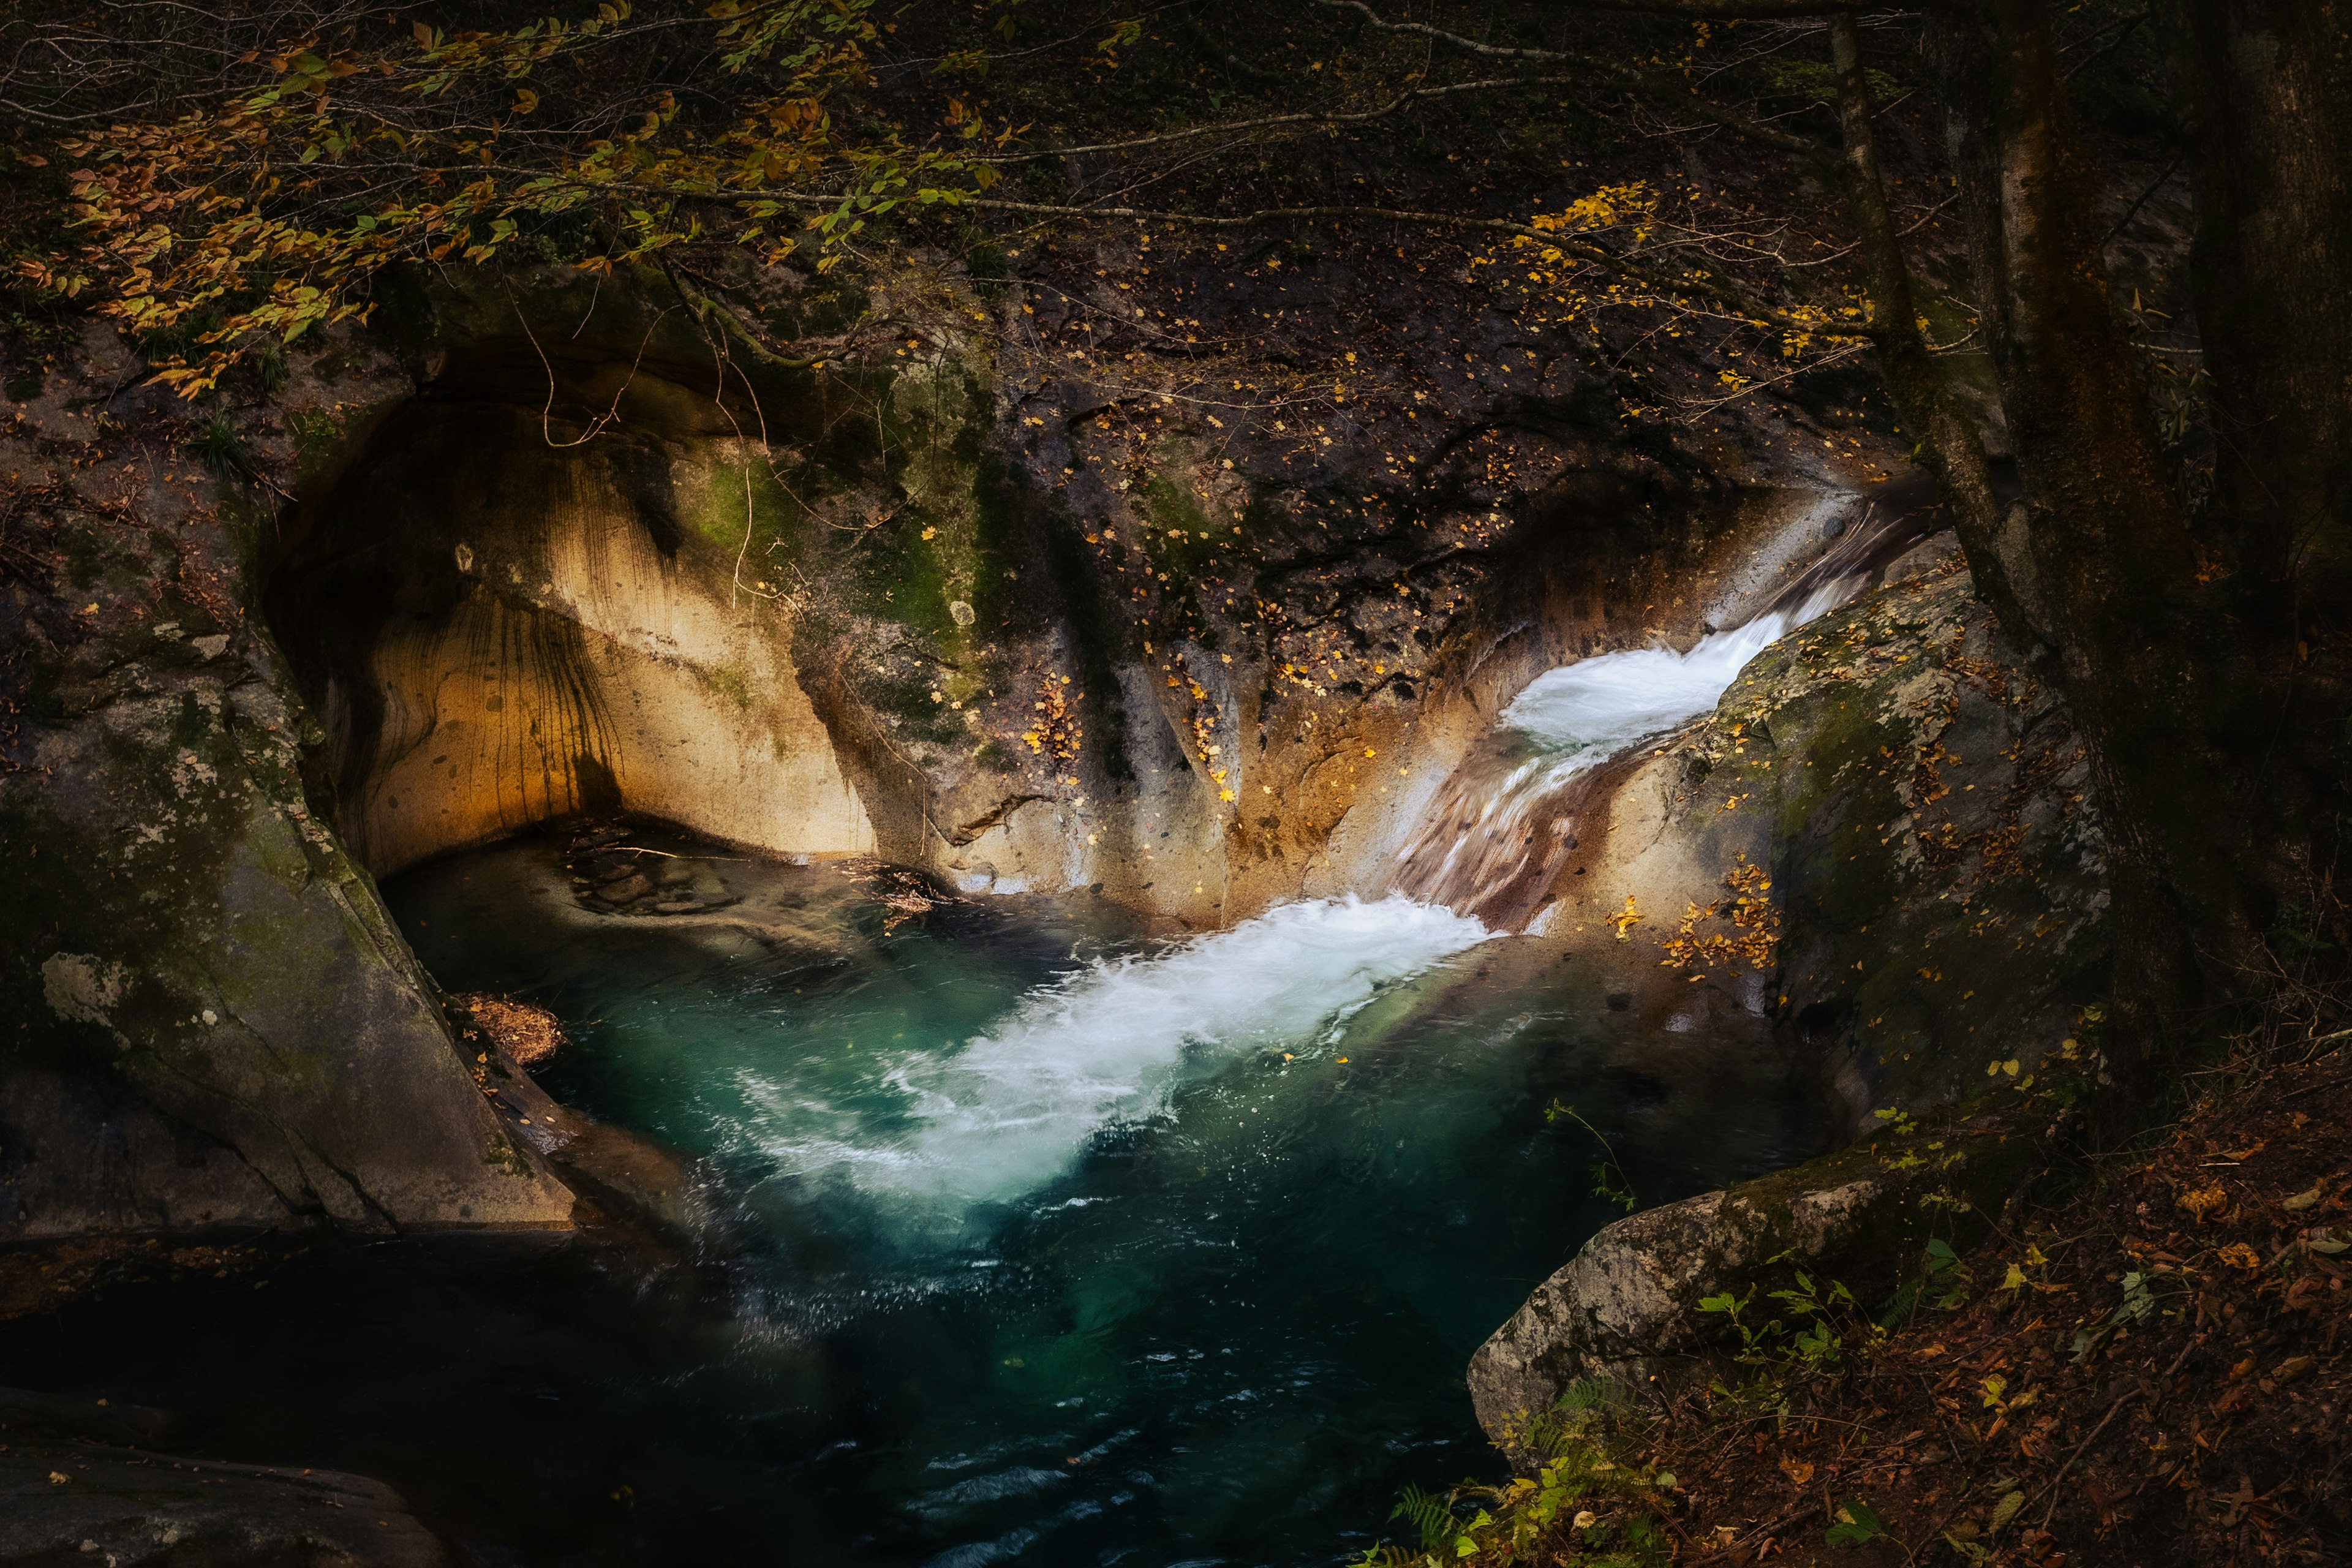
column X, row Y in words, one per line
column 1610, row 1182
column 1816, row 1343
column 269, row 365
column 1948, row 1278
column 2138, row 1305
column 1586, row 1504
column 1855, row 1525
column 222, row 450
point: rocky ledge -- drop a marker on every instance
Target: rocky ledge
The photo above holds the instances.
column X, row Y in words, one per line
column 72, row 1493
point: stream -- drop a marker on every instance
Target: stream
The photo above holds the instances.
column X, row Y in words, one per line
column 1028, row 1234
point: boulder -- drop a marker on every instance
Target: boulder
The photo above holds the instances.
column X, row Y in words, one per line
column 1625, row 1308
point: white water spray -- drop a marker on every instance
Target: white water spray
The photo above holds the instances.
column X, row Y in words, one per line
column 1009, row 1111
column 1586, row 713
column 1505, row 822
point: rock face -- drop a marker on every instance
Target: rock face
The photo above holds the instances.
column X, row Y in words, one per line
column 1626, row 1307
column 230, row 1030
column 82, row 1502
column 499, row 631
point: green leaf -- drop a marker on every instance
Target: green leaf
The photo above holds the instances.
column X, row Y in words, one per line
column 1855, row 1524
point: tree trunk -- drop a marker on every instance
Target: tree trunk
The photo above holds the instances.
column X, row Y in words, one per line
column 2269, row 87
column 1949, row 443
column 2097, row 551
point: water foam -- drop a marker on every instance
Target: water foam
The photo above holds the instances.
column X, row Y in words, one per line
column 1582, row 714
column 1501, row 828
column 1009, row 1110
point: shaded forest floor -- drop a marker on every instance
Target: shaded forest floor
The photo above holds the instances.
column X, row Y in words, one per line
column 2144, row 1368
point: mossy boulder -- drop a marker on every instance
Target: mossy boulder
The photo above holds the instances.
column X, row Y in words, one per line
column 1626, row 1307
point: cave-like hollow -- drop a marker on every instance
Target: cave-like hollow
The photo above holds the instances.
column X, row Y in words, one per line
column 523, row 593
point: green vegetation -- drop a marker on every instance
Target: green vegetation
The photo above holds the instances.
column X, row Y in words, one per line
column 1591, row 1501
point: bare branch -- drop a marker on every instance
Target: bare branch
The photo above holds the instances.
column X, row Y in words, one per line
column 1318, row 116
column 1731, row 118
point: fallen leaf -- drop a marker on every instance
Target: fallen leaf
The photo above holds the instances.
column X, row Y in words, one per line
column 2294, row 1367
column 2200, row 1203
column 1797, row 1471
column 2301, row 1200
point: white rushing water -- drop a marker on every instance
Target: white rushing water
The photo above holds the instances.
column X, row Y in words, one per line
column 1584, row 713
column 1499, row 830
column 1009, row 1110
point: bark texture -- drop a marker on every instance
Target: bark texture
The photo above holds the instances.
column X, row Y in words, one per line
column 2097, row 549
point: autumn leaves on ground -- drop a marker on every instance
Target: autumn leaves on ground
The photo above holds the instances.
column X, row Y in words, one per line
column 2145, row 1366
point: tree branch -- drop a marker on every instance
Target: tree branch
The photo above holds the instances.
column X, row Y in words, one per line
column 1354, row 117
column 1707, row 285
column 1731, row 118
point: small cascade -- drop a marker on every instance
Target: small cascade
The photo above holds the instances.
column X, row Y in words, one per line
column 1501, row 829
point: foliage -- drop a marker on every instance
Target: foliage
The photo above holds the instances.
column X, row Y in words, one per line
column 222, row 450
column 1827, row 1327
column 1754, row 925
column 1856, row 1525
column 1588, row 1502
column 1609, row 1182
column 1948, row 1277
column 608, row 138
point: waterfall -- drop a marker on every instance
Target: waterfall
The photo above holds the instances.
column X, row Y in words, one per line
column 1008, row 1111
column 1502, row 827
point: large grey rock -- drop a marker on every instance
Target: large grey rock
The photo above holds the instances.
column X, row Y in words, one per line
column 216, row 1020
column 1626, row 1306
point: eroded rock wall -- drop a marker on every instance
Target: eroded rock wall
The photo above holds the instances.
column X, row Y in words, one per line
column 208, row 1016
column 829, row 569
column 502, row 631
